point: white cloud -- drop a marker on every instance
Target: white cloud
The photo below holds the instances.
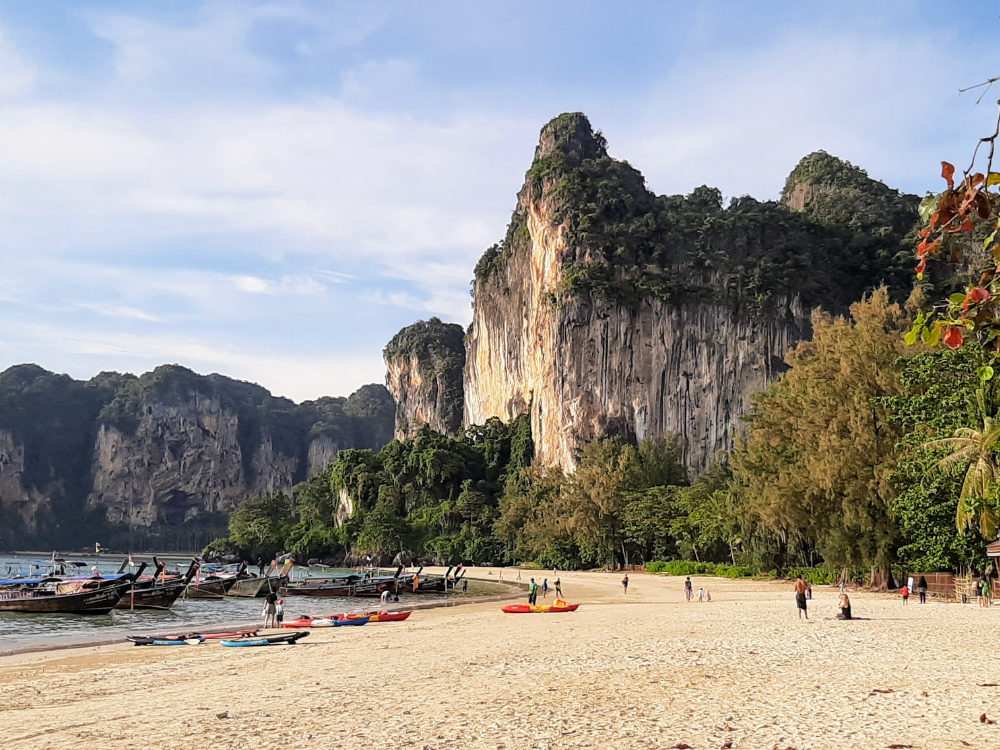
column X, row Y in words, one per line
column 119, row 311
column 297, row 285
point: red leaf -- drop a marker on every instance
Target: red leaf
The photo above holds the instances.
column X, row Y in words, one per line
column 952, row 337
column 967, row 226
column 682, row 746
column 921, row 266
column 979, row 294
column 948, row 172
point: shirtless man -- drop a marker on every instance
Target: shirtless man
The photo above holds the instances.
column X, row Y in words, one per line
column 800, row 596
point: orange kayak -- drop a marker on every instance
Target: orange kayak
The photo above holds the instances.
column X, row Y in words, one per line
column 530, row 608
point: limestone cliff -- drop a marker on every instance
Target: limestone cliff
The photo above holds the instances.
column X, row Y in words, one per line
column 424, row 365
column 78, row 461
column 607, row 310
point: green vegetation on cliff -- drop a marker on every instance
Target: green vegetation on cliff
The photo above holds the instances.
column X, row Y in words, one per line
column 56, row 420
column 627, row 244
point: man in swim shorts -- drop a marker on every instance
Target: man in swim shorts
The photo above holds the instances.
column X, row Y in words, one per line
column 800, row 596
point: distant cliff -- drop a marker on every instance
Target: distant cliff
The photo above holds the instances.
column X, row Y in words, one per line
column 608, row 310
column 424, row 364
column 161, row 451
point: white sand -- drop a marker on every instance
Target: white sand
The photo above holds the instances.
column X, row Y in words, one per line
column 646, row 670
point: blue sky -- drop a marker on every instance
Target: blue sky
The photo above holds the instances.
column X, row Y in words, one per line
column 272, row 189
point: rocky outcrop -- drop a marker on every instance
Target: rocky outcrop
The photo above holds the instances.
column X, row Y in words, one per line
column 424, row 364
column 609, row 311
column 160, row 450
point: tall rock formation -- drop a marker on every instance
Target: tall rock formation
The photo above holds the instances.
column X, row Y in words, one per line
column 160, row 451
column 424, row 364
column 607, row 310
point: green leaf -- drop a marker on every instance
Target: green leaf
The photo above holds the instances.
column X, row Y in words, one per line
column 933, row 337
column 957, row 298
column 928, row 206
column 989, row 240
column 985, row 373
column 910, row 338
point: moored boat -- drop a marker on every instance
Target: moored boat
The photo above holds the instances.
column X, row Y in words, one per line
column 93, row 597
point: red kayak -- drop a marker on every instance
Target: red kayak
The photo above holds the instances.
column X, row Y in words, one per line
column 373, row 616
column 530, row 608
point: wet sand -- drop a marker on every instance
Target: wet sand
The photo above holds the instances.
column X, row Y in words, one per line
column 643, row 670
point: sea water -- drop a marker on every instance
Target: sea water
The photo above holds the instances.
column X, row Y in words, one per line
column 21, row 631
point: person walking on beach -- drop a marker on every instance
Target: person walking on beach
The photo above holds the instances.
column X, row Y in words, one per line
column 688, row 588
column 922, row 589
column 625, row 583
column 545, row 588
column 987, row 591
column 559, row 588
column 800, row 597
column 465, row 584
column 532, row 592
column 906, row 594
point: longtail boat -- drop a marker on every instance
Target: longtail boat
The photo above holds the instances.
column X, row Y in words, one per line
column 94, row 597
column 152, row 595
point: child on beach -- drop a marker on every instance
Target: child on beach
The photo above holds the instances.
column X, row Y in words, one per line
column 279, row 611
column 701, row 594
column 625, row 583
column 906, row 594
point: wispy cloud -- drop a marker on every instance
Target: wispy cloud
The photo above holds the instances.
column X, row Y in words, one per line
column 297, row 285
column 119, row 311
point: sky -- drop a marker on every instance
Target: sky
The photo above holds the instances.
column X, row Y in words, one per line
column 270, row 190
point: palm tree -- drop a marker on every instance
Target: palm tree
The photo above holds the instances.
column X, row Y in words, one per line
column 978, row 447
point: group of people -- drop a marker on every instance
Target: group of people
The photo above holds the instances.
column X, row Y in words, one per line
column 533, row 588
column 703, row 594
column 274, row 611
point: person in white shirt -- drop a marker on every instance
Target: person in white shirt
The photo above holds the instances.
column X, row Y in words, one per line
column 385, row 596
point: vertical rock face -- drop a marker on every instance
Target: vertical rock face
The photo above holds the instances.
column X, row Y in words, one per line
column 424, row 364
column 609, row 311
column 159, row 450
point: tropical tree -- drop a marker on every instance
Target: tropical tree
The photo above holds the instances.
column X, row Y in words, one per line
column 978, row 448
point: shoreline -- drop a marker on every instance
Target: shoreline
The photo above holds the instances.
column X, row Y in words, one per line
column 102, row 642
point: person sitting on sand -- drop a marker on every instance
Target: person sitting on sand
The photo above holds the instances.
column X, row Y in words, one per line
column 845, row 607
column 800, row 597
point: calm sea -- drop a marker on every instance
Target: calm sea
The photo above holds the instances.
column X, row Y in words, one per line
column 21, row 631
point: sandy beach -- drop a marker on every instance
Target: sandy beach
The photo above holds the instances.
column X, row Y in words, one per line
column 643, row 670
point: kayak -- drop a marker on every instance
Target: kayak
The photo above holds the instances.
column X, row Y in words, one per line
column 325, row 622
column 140, row 640
column 268, row 640
column 526, row 608
column 374, row 616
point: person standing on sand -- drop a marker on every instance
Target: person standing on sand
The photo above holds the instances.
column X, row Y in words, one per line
column 260, row 567
column 279, row 612
column 271, row 611
column 922, row 589
column 906, row 594
column 532, row 592
column 800, row 597
column 559, row 588
column 688, row 588
column 465, row 584
column 545, row 588
column 625, row 583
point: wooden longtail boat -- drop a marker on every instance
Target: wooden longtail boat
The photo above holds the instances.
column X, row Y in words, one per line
column 95, row 597
column 152, row 595
column 209, row 588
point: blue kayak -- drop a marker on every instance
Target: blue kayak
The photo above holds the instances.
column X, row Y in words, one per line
column 267, row 640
